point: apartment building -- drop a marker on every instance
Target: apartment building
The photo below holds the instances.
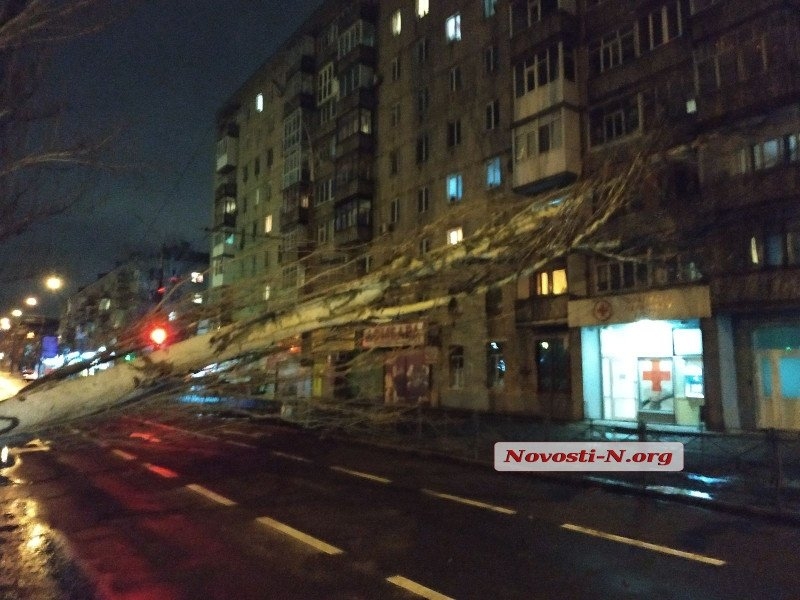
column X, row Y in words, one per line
column 395, row 129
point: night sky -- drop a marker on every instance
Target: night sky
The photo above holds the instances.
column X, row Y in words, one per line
column 155, row 78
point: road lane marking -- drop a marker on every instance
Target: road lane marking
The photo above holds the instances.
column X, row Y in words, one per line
column 241, row 444
column 291, row 456
column 199, row 489
column 646, row 545
column 416, row 588
column 470, row 502
column 361, row 474
column 162, row 471
column 178, row 429
column 300, row 536
column 123, row 455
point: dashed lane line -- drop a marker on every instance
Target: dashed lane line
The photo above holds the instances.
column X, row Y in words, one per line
column 361, row 474
column 213, row 496
column 161, row 471
column 470, row 502
column 315, row 543
column 241, row 444
column 291, row 456
column 416, row 588
column 123, row 455
column 646, row 545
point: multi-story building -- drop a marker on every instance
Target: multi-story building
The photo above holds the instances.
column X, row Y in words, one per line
column 401, row 127
column 108, row 312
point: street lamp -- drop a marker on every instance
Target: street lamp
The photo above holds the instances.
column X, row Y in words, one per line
column 16, row 313
column 53, row 283
column 31, row 301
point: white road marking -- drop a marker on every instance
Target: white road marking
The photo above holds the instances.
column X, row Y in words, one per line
column 416, row 588
column 646, row 545
column 199, row 489
column 300, row 536
column 291, row 456
column 240, row 444
column 179, row 429
column 123, row 455
column 162, row 471
column 470, row 502
column 361, row 474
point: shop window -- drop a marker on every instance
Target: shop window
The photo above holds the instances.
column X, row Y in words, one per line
column 495, row 365
column 456, row 366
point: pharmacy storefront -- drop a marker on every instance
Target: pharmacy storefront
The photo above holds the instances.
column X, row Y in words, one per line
column 642, row 355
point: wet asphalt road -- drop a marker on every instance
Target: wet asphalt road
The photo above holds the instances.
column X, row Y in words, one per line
column 171, row 505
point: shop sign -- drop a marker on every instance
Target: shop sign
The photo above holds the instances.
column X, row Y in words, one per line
column 394, row 336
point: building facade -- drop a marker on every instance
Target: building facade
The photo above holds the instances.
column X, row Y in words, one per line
column 391, row 130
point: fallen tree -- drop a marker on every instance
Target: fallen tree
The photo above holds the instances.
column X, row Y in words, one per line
column 521, row 240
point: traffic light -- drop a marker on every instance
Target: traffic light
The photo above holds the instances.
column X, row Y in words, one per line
column 158, row 335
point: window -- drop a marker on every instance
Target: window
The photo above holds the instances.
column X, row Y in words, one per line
column 395, row 68
column 525, row 13
column 421, row 50
column 614, row 120
column 422, row 148
column 360, row 33
column 423, row 6
column 395, row 114
column 455, row 236
column 491, row 59
column 267, row 292
column 423, row 101
column 423, row 199
column 549, row 132
column 551, row 283
column 397, row 22
column 394, row 210
column 456, row 365
column 268, row 224
column 424, row 246
column 322, row 233
column 453, row 133
column 455, row 79
column 767, row 154
column 493, row 174
column 540, row 69
column 325, row 83
column 394, row 162
column 259, row 102
column 489, row 8
column 552, row 365
column 495, row 365
column 731, row 59
column 196, row 277
column 660, row 26
column 612, row 50
column 452, row 28
column 455, row 187
column 493, row 114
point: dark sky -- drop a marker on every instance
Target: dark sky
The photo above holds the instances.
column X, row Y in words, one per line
column 158, row 78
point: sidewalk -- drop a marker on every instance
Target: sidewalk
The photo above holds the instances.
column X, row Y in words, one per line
column 754, row 473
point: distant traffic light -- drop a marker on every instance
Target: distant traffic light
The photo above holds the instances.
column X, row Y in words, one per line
column 158, row 335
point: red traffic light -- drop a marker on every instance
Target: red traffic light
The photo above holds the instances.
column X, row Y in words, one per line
column 158, row 335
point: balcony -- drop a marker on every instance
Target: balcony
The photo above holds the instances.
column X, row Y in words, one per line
column 303, row 99
column 724, row 15
column 225, row 220
column 357, row 143
column 561, row 25
column 752, row 189
column 292, row 216
column 777, row 288
column 756, row 95
column 359, row 233
column 224, row 191
column 365, row 55
column 363, row 97
column 227, row 147
column 356, row 187
column 542, row 310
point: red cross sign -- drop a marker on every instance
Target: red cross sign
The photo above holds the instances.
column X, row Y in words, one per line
column 656, row 375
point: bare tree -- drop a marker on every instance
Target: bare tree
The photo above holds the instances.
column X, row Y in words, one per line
column 518, row 240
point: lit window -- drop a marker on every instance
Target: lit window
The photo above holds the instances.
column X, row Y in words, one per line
column 259, row 102
column 551, row 282
column 489, row 8
column 394, row 210
column 423, row 6
column 493, row 174
column 455, row 187
column 196, row 277
column 397, row 22
column 455, row 236
column 267, row 292
column 424, row 246
column 268, row 224
column 197, row 299
column 453, row 28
